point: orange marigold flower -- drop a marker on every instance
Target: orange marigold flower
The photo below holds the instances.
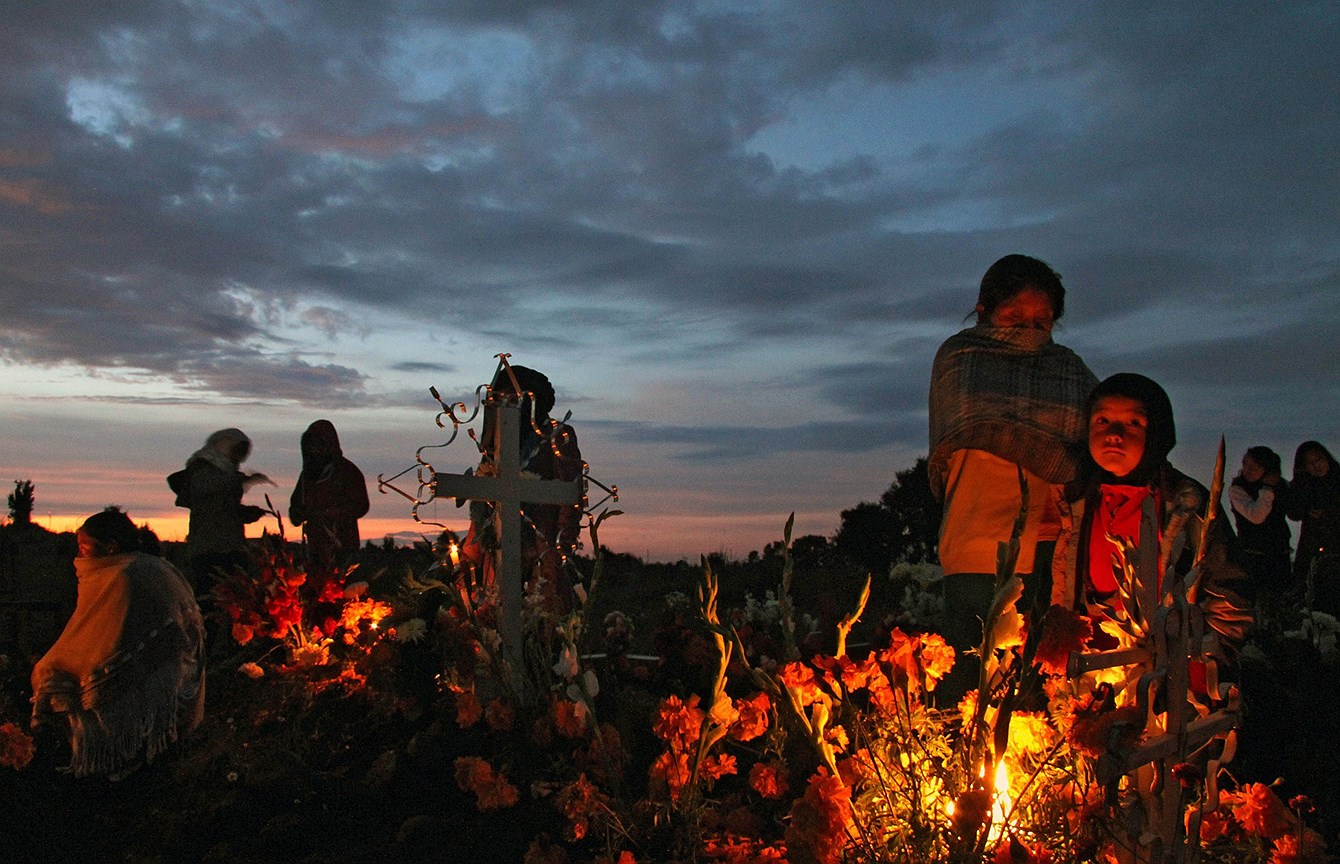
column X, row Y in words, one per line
column 1261, row 813
column 753, row 717
column 670, row 773
column 569, row 718
column 1030, row 732
column 1063, row 631
column 1288, row 849
column 1214, row 824
column 819, row 821
column 900, row 660
column 577, row 802
column 468, row 710
column 16, row 746
column 491, row 790
column 768, row 779
column 1094, row 733
column 500, row 715
column 242, row 633
column 937, row 658
column 717, row 766
column 857, row 768
column 799, row 679
column 852, row 675
column 678, row 723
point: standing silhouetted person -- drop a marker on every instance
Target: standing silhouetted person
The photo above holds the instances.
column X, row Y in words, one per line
column 328, row 501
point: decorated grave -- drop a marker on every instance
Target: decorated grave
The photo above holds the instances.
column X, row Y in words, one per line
column 444, row 710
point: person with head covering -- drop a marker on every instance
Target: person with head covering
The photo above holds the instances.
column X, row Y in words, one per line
column 1257, row 496
column 211, row 486
column 1127, row 489
column 1005, row 401
column 126, row 677
column 330, row 497
column 548, row 450
column 1314, row 502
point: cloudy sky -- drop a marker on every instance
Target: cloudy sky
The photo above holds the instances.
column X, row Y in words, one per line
column 732, row 233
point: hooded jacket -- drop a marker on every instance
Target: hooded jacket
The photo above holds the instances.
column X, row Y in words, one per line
column 330, row 497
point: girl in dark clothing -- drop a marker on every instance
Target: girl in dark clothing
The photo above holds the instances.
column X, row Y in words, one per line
column 1314, row 502
column 1258, row 496
column 330, row 498
column 1128, row 489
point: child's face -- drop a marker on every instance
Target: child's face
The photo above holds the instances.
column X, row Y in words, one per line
column 1314, row 463
column 1252, row 470
column 1118, row 426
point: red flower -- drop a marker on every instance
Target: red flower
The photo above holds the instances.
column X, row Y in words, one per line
column 669, row 774
column 937, row 658
column 1063, row 631
column 468, row 710
column 799, row 679
column 900, row 658
column 16, row 746
column 753, row 717
column 717, row 766
column 1188, row 774
column 492, row 790
column 768, row 779
column 819, row 821
column 1095, row 733
column 569, row 718
column 678, row 723
column 1289, row 849
column 852, row 676
column 578, row 802
column 1261, row 813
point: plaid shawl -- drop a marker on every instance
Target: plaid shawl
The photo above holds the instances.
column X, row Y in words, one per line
column 1012, row 392
column 127, row 672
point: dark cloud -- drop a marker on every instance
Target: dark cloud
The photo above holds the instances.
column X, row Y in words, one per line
column 418, row 367
column 599, row 185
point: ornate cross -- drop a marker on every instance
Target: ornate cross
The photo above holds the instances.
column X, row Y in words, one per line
column 508, row 488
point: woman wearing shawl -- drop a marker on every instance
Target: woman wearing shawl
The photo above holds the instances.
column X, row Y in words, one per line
column 126, row 676
column 1127, row 489
column 1257, row 497
column 330, row 498
column 212, row 485
column 1004, row 399
column 1314, row 502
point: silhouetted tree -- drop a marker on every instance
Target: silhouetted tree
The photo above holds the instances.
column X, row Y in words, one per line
column 21, row 502
column 904, row 525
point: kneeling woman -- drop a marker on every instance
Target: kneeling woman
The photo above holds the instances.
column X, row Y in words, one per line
column 127, row 673
column 1128, row 489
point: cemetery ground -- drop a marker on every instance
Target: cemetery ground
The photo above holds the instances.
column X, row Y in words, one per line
column 301, row 766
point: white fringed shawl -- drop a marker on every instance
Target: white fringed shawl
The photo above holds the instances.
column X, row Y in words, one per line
column 127, row 671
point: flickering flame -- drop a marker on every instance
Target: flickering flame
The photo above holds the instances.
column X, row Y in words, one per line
column 1001, row 803
column 454, row 551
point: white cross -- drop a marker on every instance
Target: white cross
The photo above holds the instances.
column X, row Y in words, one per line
column 508, row 488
